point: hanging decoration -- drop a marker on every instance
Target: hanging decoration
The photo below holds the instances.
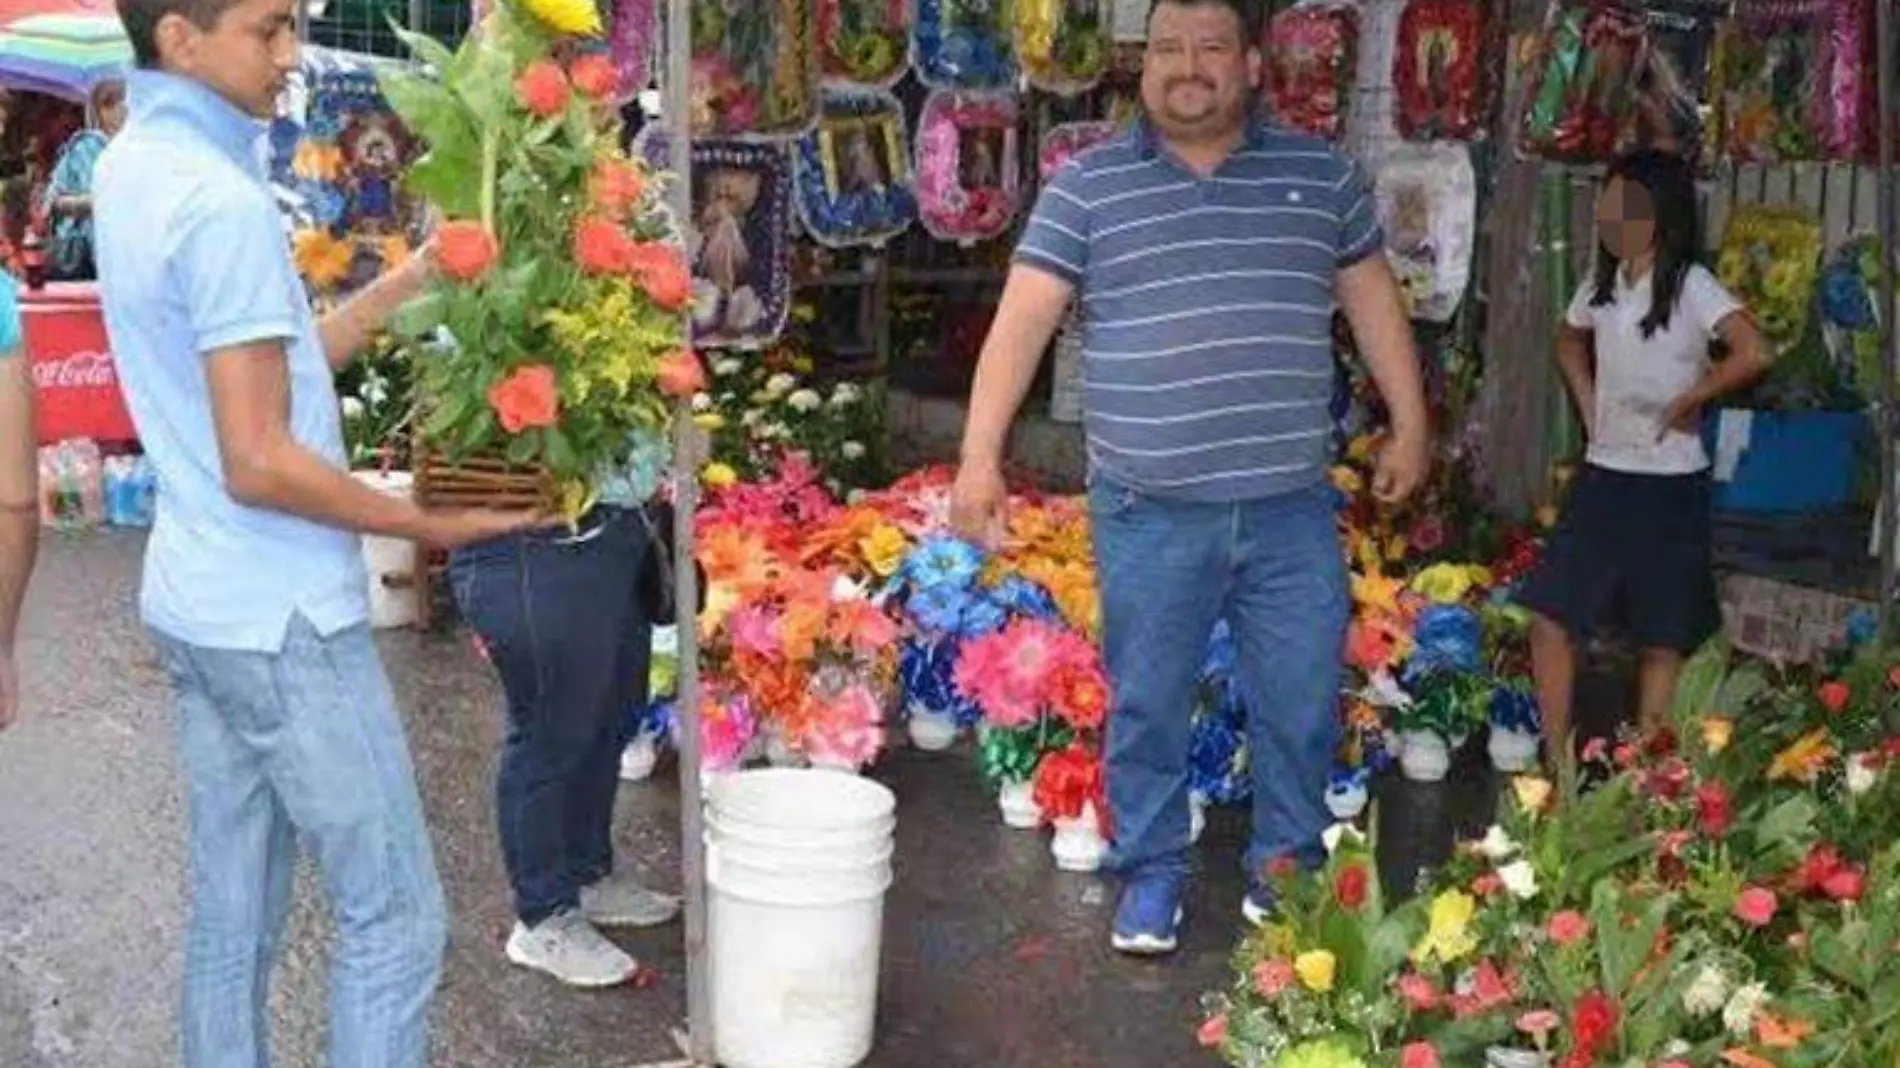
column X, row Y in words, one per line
column 741, row 238
column 630, row 44
column 1583, row 79
column 1312, row 54
column 864, row 42
column 1672, row 84
column 1064, row 46
column 1427, row 203
column 853, row 173
column 754, row 68
column 1788, row 77
column 963, row 44
column 967, row 167
column 1770, row 259
column 1438, row 71
column 1065, row 141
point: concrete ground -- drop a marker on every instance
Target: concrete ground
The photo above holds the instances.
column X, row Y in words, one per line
column 992, row 958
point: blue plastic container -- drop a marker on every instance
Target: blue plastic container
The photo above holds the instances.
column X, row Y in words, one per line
column 1800, row 461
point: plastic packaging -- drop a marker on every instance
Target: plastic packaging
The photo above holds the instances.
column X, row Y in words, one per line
column 1427, row 202
column 1673, row 84
column 1788, row 74
column 853, row 173
column 1582, row 91
column 1064, row 46
column 1438, row 72
column 1065, row 141
column 968, row 184
column 963, row 44
column 1312, row 55
column 755, row 70
column 864, row 42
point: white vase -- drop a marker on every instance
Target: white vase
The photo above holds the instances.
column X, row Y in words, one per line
column 1424, row 756
column 1197, row 818
column 829, row 763
column 1501, row 1057
column 639, row 757
column 780, row 754
column 1512, row 750
column 1017, row 800
column 1078, row 844
column 1346, row 799
column 931, row 730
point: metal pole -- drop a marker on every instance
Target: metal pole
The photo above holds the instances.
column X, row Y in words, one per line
column 675, row 112
column 1889, row 237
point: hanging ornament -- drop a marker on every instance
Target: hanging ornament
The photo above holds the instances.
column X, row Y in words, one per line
column 1438, row 70
column 1312, row 53
column 1427, row 203
column 1064, row 46
column 963, row 44
column 1788, row 77
column 864, row 42
column 853, row 173
column 967, row 166
column 1581, row 94
column 755, row 70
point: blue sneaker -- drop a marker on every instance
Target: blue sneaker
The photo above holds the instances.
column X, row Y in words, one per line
column 1148, row 919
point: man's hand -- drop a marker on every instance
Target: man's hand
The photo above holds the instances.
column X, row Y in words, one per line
column 977, row 502
column 1404, row 460
column 455, row 529
column 9, row 690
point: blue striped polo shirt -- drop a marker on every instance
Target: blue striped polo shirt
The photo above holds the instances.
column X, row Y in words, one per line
column 1207, row 306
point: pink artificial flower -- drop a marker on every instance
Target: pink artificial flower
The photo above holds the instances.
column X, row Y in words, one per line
column 1568, row 927
column 1271, row 977
column 1538, row 1022
column 1418, row 1055
column 1420, row 994
column 1595, row 750
column 1756, row 906
column 1213, row 1032
column 754, row 629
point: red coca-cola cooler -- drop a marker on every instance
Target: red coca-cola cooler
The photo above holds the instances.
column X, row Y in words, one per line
column 72, row 365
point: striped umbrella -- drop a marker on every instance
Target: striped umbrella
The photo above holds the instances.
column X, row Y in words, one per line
column 60, row 47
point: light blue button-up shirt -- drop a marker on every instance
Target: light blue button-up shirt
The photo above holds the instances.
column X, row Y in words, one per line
column 193, row 258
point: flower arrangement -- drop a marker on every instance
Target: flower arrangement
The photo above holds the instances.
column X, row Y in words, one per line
column 1583, row 82
column 852, row 173
column 962, row 44
column 968, row 178
column 760, row 410
column 1788, row 81
column 755, row 70
column 1314, row 53
column 1438, row 71
column 1770, row 258
column 1064, row 47
column 377, row 391
column 864, row 42
column 553, row 331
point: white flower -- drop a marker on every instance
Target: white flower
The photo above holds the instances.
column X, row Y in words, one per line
column 805, row 400
column 845, row 394
column 1861, row 774
column 1337, row 833
column 854, row 497
column 1520, row 879
column 1384, row 691
column 852, row 450
column 702, row 402
column 1497, row 844
column 1743, row 1007
column 375, row 388
column 779, row 384
column 726, row 367
column 751, row 417
column 352, row 408
column 1707, row 993
column 1676, row 1049
column 774, row 431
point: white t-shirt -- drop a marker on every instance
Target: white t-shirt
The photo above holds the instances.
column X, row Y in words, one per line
column 1637, row 376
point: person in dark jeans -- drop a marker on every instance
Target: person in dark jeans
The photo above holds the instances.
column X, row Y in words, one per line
column 560, row 615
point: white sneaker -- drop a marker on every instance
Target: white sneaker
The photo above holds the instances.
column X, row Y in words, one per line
column 572, row 950
column 621, row 902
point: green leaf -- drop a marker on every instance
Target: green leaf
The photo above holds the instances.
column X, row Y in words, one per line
column 487, row 87
column 1842, row 953
column 425, row 48
column 1787, row 828
column 443, row 177
column 417, row 319
column 1701, row 681
column 457, row 406
column 523, row 448
column 561, row 457
column 479, row 430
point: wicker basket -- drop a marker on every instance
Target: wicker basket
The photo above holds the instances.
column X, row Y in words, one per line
column 481, row 481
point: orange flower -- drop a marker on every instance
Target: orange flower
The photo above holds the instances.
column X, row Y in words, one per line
column 594, row 75
column 322, row 259
column 525, row 399
column 668, row 283
column 465, row 250
column 681, row 374
column 800, row 628
column 1777, row 1033
column 600, row 246
column 542, row 89
column 1741, row 1058
column 1804, row 760
column 616, row 186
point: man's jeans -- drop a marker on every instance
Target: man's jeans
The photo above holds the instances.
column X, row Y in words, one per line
column 559, row 614
column 306, row 743
column 1168, row 571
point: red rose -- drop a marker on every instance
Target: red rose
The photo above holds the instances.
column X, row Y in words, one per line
column 1663, row 743
column 600, row 246
column 1844, row 885
column 1756, row 906
column 542, row 89
column 525, row 399
column 1593, row 1021
column 1893, row 677
column 465, row 250
column 1714, row 815
column 594, row 75
column 1624, row 755
column 1350, row 886
column 1834, row 696
column 681, row 375
column 1281, row 867
column 1418, row 1055
column 1213, row 1032
column 1568, row 927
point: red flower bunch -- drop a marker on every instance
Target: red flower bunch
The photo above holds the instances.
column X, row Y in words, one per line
column 1834, row 696
column 1825, row 873
column 1351, row 887
column 1593, row 1022
column 1714, row 812
column 1068, row 779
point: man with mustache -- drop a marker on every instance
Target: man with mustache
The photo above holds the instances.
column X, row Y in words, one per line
column 1209, row 250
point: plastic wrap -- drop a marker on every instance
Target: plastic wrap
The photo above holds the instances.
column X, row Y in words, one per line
column 1064, row 142
column 1673, row 85
column 1438, row 71
column 741, row 241
column 755, row 70
column 864, row 42
column 963, row 44
column 1312, row 55
column 1770, row 259
column 1064, row 46
column 968, row 184
column 1427, row 201
column 1582, row 90
column 1788, row 76
column 853, row 173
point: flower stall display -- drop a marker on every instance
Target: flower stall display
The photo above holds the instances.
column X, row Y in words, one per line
column 1063, row 46
column 1583, row 81
column 1850, row 285
column 968, row 175
column 1312, row 57
column 759, row 411
column 631, row 34
column 378, row 400
column 1788, row 78
column 963, row 44
column 864, row 43
column 1770, row 258
column 1438, row 71
column 853, row 171
column 1673, row 84
column 1427, row 197
column 1065, row 141
column 741, row 239
column 755, row 69
column 552, row 332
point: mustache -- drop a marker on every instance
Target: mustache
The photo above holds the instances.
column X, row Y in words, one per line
column 1191, row 80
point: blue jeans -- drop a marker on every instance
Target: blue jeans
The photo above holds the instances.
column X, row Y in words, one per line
column 559, row 613
column 303, row 742
column 1168, row 571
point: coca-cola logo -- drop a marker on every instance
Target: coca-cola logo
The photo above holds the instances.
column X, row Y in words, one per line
column 76, row 370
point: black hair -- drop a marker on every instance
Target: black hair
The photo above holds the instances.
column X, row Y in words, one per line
column 1247, row 11
column 141, row 19
column 1670, row 183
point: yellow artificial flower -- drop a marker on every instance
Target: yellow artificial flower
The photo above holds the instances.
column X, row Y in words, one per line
column 1446, row 583
column 884, row 549
column 578, row 18
column 721, row 599
column 393, row 250
column 1395, row 549
column 718, row 476
column 1278, row 941
column 322, row 259
column 1361, row 448
column 1347, row 481
column 577, row 499
column 1377, row 593
column 1533, row 792
column 1716, row 732
column 1316, row 969
column 1803, row 760
column 317, row 162
column 709, row 421
column 1448, row 936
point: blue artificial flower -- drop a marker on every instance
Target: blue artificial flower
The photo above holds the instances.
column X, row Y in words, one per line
column 939, row 609
column 982, row 616
column 1019, row 596
column 1217, row 762
column 1862, row 628
column 1514, row 709
column 927, row 672
column 943, row 561
column 1844, row 299
column 1449, row 637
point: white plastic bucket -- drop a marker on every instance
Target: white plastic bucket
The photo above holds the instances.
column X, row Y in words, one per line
column 798, row 862
column 391, row 561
